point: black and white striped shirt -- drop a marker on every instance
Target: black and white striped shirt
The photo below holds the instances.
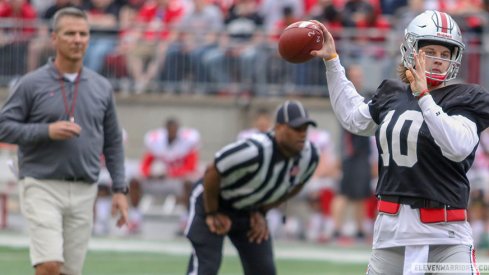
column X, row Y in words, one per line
column 254, row 172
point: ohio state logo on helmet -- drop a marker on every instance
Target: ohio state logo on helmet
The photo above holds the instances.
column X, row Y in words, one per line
column 444, row 23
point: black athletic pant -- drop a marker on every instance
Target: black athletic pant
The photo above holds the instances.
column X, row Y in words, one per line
column 257, row 259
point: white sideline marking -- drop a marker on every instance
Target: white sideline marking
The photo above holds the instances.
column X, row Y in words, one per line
column 183, row 248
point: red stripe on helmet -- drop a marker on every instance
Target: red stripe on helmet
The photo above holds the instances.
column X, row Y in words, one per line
column 444, row 22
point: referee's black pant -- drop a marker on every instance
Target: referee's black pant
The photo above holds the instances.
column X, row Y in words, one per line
column 257, row 259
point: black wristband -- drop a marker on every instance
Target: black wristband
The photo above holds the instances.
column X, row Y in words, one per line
column 124, row 190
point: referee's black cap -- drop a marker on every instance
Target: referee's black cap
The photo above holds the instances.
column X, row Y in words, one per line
column 292, row 113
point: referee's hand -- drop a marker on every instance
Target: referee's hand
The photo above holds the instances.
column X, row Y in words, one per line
column 258, row 228
column 218, row 223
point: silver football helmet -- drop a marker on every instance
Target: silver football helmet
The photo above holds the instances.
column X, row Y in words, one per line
column 437, row 28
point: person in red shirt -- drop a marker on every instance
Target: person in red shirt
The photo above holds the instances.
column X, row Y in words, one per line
column 22, row 13
column 148, row 41
column 15, row 40
column 375, row 21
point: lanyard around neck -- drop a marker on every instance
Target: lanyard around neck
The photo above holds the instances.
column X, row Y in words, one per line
column 70, row 111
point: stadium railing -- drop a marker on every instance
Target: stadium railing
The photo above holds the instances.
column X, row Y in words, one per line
column 264, row 75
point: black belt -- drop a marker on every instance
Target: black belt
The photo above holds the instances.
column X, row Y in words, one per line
column 415, row 202
column 75, row 179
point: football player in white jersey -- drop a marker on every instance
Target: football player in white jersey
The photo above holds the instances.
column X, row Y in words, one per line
column 427, row 132
column 170, row 165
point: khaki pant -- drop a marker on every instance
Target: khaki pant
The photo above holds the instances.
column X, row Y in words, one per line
column 60, row 218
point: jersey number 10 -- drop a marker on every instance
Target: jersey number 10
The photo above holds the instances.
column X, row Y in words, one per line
column 410, row 158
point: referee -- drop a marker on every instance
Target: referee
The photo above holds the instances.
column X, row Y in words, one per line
column 246, row 179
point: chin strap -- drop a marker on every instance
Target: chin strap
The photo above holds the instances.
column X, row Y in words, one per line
column 434, row 80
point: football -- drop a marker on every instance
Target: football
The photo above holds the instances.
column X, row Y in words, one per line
column 298, row 40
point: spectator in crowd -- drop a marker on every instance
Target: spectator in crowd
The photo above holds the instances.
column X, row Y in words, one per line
column 171, row 162
column 389, row 7
column 287, row 17
column 103, row 16
column 115, row 64
column 328, row 14
column 224, row 5
column 41, row 5
column 61, row 134
column 355, row 11
column 368, row 42
column 40, row 47
column 238, row 189
column 453, row 7
column 20, row 18
column 426, row 135
column 149, row 39
column 309, row 6
column 354, row 188
column 375, row 25
column 240, row 56
column 132, row 7
column 272, row 12
column 405, row 14
column 197, row 33
column 278, row 70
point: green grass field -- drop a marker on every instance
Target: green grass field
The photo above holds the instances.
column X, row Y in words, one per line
column 15, row 261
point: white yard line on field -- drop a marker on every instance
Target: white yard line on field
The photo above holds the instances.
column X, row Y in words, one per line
column 182, row 247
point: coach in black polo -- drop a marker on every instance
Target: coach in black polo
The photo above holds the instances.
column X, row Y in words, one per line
column 246, row 179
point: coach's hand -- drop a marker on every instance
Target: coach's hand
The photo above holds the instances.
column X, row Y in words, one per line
column 258, row 228
column 119, row 204
column 63, row 130
column 218, row 223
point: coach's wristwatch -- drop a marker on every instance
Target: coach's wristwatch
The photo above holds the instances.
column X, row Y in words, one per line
column 124, row 190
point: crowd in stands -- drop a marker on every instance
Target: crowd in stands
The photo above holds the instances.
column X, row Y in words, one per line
column 224, row 46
